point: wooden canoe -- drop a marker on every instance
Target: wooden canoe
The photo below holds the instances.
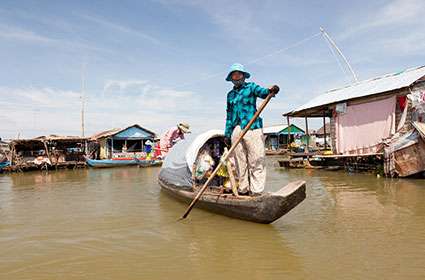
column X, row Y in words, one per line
column 264, row 209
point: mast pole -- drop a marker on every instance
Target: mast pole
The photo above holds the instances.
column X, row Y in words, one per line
column 83, row 81
column 333, row 44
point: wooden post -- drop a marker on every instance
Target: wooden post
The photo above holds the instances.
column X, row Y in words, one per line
column 277, row 139
column 106, row 149
column 12, row 158
column 232, row 178
column 308, row 135
column 288, row 139
column 47, row 151
column 324, row 127
column 112, row 147
column 86, row 147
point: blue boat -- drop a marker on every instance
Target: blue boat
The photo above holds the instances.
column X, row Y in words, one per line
column 102, row 163
column 4, row 164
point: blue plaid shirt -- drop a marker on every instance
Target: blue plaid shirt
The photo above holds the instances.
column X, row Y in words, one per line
column 242, row 105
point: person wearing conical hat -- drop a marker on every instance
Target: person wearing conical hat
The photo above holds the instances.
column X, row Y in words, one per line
column 148, row 149
column 172, row 136
column 249, row 154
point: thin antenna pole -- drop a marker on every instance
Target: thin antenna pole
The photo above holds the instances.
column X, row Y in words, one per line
column 83, row 81
column 329, row 39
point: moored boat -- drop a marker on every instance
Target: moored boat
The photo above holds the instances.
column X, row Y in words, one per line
column 4, row 164
column 177, row 178
column 104, row 163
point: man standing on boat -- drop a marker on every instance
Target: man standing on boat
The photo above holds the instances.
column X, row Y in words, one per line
column 172, row 136
column 241, row 107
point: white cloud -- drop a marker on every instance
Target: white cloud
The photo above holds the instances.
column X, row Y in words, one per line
column 399, row 12
column 238, row 20
column 13, row 32
column 151, row 97
column 121, row 86
column 37, row 97
column 48, row 21
column 36, row 111
column 121, row 28
column 408, row 44
column 388, row 20
column 10, row 32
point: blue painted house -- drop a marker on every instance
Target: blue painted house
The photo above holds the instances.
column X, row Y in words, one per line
column 129, row 142
column 277, row 135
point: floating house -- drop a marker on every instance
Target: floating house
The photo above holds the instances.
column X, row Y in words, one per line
column 47, row 152
column 4, row 154
column 66, row 150
column 366, row 115
column 129, row 142
column 276, row 136
column 4, row 149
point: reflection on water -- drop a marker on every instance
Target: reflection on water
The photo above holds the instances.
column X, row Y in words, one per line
column 116, row 224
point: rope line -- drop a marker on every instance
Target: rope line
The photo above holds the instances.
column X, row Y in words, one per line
column 296, row 44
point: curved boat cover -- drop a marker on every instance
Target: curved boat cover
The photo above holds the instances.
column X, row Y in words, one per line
column 177, row 166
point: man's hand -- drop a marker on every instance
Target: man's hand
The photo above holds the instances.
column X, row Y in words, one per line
column 274, row 90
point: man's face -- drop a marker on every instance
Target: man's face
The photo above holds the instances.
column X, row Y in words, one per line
column 236, row 76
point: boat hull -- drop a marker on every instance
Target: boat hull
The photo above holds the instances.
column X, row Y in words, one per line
column 105, row 163
column 260, row 209
column 4, row 165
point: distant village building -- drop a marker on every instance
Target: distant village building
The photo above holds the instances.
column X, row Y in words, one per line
column 276, row 136
column 4, row 146
column 322, row 135
column 366, row 116
column 123, row 143
column 47, row 152
column 4, row 153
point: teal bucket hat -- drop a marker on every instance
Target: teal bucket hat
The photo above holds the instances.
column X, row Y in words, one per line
column 237, row 67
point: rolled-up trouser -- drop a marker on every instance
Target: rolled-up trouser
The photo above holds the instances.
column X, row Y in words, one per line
column 249, row 157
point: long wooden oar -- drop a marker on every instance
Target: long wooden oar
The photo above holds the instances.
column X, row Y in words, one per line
column 226, row 156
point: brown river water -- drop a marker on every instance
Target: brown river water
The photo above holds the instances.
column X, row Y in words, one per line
column 117, row 224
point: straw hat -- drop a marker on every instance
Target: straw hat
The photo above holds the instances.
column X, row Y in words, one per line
column 184, row 127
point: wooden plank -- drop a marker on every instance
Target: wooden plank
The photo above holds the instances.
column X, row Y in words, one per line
column 410, row 160
column 346, row 156
column 288, row 138
column 324, row 127
column 232, row 178
column 47, row 152
column 308, row 134
column 420, row 127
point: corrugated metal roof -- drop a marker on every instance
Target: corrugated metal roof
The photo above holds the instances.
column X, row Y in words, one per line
column 53, row 137
column 274, row 129
column 106, row 133
column 282, row 129
column 134, row 133
column 373, row 86
column 115, row 131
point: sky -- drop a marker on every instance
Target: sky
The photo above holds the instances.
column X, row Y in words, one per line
column 160, row 62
